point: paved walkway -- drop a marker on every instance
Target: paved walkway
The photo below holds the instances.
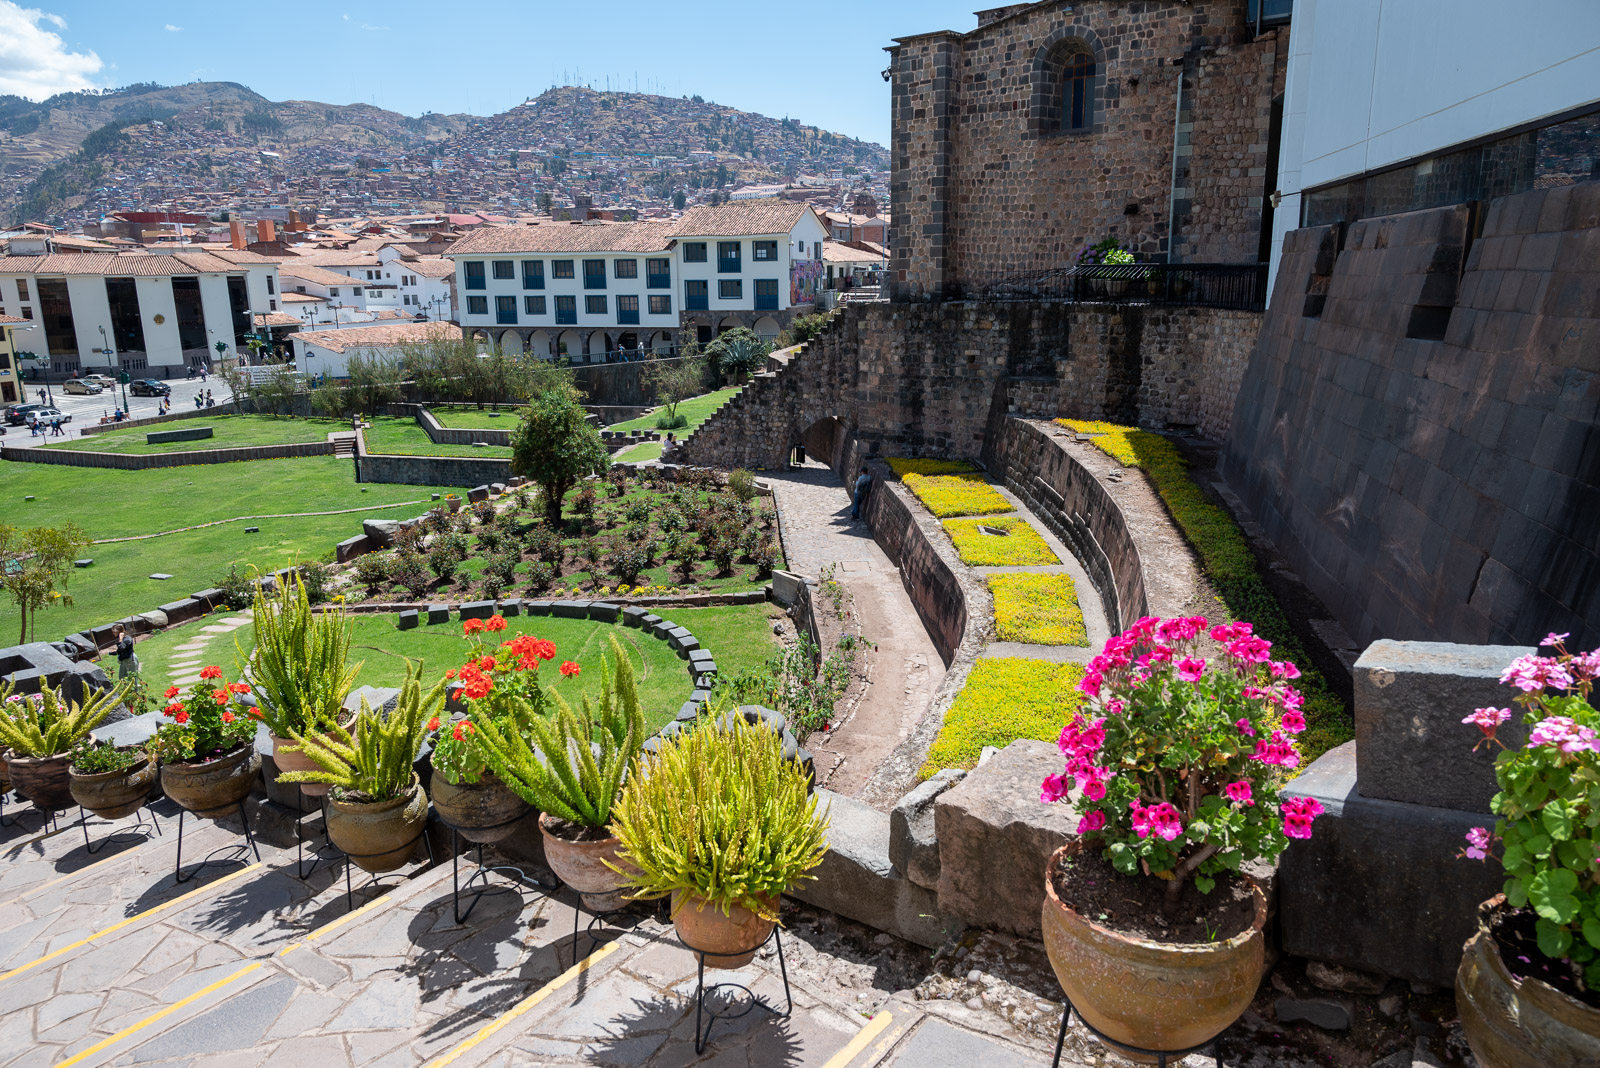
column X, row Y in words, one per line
column 906, row 667
column 188, row 658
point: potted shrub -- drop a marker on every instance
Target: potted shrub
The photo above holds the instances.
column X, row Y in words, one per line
column 301, row 674
column 719, row 821
column 38, row 731
column 573, row 773
column 108, row 781
column 1153, row 930
column 377, row 809
column 1528, row 988
column 452, row 501
column 500, row 687
column 208, row 751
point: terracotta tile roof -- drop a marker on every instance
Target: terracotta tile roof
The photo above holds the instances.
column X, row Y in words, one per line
column 836, row 252
column 740, row 217
column 116, row 264
column 551, row 237
column 428, row 266
column 307, row 273
column 332, row 258
column 278, row 319
column 12, row 319
column 300, row 298
column 236, row 255
column 356, row 337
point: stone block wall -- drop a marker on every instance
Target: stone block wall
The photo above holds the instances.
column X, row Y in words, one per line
column 143, row 461
column 429, row 470
column 440, row 434
column 1418, row 428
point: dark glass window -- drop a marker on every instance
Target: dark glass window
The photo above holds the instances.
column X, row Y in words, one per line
column 594, row 274
column 730, row 288
column 561, row 269
column 728, row 257
column 477, row 305
column 628, row 310
column 696, row 296
column 1077, row 98
column 505, row 311
column 504, row 269
column 766, row 294
column 533, row 274
column 625, row 268
column 475, row 274
column 566, row 309
column 660, row 305
column 533, row 305
column 694, row 252
column 594, row 304
column 658, row 274
column 763, row 250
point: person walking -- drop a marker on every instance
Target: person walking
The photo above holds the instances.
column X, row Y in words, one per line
column 55, row 429
column 41, row 396
column 863, row 485
column 127, row 662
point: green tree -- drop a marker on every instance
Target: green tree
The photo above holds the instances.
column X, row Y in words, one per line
column 35, row 565
column 738, row 352
column 556, row 446
column 675, row 381
column 374, row 380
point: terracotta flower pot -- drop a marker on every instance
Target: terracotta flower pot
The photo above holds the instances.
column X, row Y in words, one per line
column 213, row 788
column 1146, row 994
column 482, row 811
column 1511, row 1022
column 114, row 794
column 453, row 503
column 582, row 866
column 288, row 755
column 379, row 836
column 42, row 780
column 728, row 941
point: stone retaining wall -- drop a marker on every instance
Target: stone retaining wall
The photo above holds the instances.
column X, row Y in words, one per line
column 440, row 434
column 428, row 470
column 142, row 461
column 186, row 413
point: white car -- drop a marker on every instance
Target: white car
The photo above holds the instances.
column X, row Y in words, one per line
column 47, row 416
column 81, row 386
column 104, row 381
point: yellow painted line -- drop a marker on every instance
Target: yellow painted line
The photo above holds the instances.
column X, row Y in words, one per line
column 156, row 1017
column 39, row 838
column 164, row 906
column 86, row 868
column 883, row 1047
column 863, row 1037
column 528, row 1003
column 371, row 906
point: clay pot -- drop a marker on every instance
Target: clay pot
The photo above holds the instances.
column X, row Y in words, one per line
column 1147, row 994
column 482, row 811
column 213, row 788
column 289, row 756
column 582, row 866
column 114, row 794
column 42, row 780
column 728, row 941
column 1510, row 1022
column 453, row 503
column 379, row 836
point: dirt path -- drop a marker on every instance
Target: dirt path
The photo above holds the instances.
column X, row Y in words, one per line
column 905, row 668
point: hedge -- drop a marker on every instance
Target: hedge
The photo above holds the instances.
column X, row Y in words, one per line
column 1038, row 609
column 1021, row 547
column 1005, row 698
column 947, row 495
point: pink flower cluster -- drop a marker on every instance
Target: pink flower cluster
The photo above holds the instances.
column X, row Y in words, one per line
column 1239, row 793
column 1298, row 812
column 1478, row 839
column 1080, row 740
column 1278, row 750
column 1563, row 733
column 1533, row 673
column 1488, row 721
column 1159, row 819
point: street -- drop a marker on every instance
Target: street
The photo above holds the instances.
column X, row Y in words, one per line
column 87, row 410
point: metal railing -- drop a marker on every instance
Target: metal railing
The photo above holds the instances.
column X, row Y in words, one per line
column 1242, row 287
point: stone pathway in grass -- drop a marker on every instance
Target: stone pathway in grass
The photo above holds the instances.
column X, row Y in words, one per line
column 187, row 659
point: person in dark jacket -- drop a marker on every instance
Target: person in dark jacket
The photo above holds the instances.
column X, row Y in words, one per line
column 127, row 661
column 863, row 485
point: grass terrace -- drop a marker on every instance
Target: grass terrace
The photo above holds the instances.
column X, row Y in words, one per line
column 904, row 466
column 1037, row 609
column 1017, row 544
column 392, row 435
column 500, row 418
column 948, row 495
column 1005, row 698
column 696, row 410
column 229, row 431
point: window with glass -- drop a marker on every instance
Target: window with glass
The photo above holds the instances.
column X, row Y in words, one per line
column 505, row 310
column 625, row 268
column 728, row 256
column 270, row 288
column 594, row 304
column 533, row 274
column 566, row 309
column 594, row 274
column 628, row 310
column 694, row 252
column 660, row 305
column 730, row 288
column 763, row 250
column 533, row 305
column 477, row 305
column 504, row 269
column 766, row 294
column 1077, row 99
column 474, row 274
column 696, row 296
column 658, row 274
column 561, row 269
column 22, row 289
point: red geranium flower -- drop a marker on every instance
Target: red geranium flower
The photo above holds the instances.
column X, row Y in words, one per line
column 471, row 626
column 212, row 672
column 180, row 716
column 220, row 696
column 450, row 674
column 486, row 664
column 172, row 709
column 462, row 729
column 172, row 691
column 495, row 622
column 569, row 669
column 238, row 687
column 545, row 648
column 228, row 717
column 433, row 724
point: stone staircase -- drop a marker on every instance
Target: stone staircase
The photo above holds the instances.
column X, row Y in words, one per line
column 344, row 443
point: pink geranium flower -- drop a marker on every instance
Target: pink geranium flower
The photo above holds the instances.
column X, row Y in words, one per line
column 1298, row 812
column 1238, row 792
column 1091, row 822
column 1478, row 843
column 1191, row 668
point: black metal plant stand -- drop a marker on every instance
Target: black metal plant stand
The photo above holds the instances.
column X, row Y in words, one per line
column 249, row 846
column 712, row 1012
column 597, row 920
column 138, row 825
column 349, row 892
column 1161, row 1055
column 302, row 872
column 482, row 872
column 49, row 816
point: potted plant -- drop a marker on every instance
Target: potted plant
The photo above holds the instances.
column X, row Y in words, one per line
column 108, row 781
column 1154, row 932
column 452, row 501
column 573, row 773
column 719, row 821
column 499, row 687
column 208, row 751
column 38, row 731
column 1111, row 283
column 377, row 809
column 301, row 673
column 1528, row 988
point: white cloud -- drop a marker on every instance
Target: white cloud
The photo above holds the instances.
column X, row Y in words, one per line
column 364, row 26
column 174, row 29
column 36, row 63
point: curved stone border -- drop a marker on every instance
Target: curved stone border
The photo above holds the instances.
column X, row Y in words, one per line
column 403, row 469
column 143, row 461
column 440, row 434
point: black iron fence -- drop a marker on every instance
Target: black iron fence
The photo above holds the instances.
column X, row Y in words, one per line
column 1208, row 285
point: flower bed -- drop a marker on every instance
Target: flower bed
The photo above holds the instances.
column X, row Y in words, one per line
column 1039, row 609
column 947, row 495
column 904, row 466
column 1005, row 698
column 1019, row 546
column 1229, row 565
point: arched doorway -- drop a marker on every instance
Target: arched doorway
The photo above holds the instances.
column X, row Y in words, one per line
column 767, row 328
column 661, row 342
column 727, row 324
column 539, row 344
column 570, row 345
column 511, row 343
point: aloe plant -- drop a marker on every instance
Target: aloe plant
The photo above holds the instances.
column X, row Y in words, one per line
column 300, row 662
column 372, row 761
column 47, row 724
column 577, row 763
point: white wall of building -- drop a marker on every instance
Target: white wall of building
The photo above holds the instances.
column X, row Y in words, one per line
column 161, row 343
column 91, row 312
column 218, row 313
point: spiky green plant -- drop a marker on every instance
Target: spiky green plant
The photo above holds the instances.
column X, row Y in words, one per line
column 561, row 772
column 46, row 724
column 300, row 662
column 373, row 762
column 720, row 814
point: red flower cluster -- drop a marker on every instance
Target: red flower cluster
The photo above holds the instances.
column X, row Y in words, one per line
column 212, row 672
column 461, row 730
column 569, row 669
column 473, row 626
column 529, row 651
column 474, row 683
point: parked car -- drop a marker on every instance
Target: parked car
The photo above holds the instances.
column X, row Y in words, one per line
column 81, row 386
column 48, row 415
column 149, row 387
column 17, row 414
column 104, row 381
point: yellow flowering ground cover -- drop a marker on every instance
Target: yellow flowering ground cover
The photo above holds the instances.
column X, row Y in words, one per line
column 947, row 495
column 1005, row 698
column 1229, row 565
column 1020, row 546
column 903, row 466
column 1040, row 609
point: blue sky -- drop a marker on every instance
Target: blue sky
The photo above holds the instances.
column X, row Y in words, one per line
column 816, row 63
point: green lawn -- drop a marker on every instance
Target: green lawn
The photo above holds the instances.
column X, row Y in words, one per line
column 389, row 434
column 229, row 432
column 109, row 504
column 647, row 450
column 473, row 419
column 696, row 409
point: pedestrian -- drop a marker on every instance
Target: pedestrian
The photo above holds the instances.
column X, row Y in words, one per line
column 863, row 485
column 202, row 374
column 210, row 403
column 127, row 662
column 41, row 396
